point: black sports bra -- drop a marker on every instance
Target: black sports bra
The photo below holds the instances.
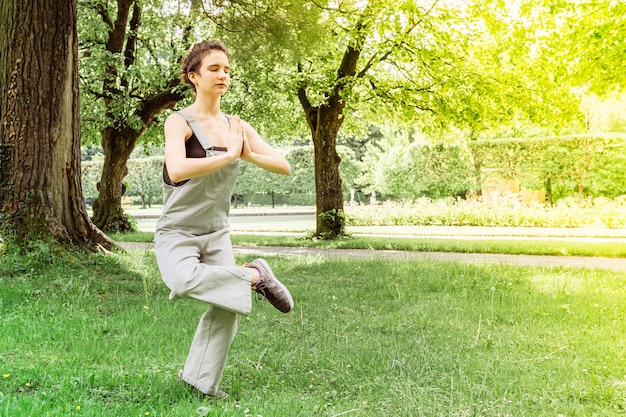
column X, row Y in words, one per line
column 193, row 149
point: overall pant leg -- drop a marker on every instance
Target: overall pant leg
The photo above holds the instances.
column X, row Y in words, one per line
column 193, row 265
column 207, row 356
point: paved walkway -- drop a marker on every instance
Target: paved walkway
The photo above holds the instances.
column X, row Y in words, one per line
column 611, row 264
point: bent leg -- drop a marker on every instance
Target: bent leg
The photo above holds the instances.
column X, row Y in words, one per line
column 202, row 268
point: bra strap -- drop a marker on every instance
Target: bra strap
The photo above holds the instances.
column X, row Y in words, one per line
column 204, row 141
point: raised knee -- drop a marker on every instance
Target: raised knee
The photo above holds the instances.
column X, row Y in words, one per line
column 179, row 280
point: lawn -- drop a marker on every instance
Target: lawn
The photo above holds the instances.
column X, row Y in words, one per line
column 94, row 335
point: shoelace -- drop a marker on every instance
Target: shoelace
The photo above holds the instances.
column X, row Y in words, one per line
column 260, row 286
column 260, row 290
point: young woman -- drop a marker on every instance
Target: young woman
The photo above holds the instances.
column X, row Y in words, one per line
column 203, row 147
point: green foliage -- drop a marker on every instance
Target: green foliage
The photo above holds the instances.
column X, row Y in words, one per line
column 583, row 36
column 333, row 225
column 144, row 179
column 91, row 171
column 582, row 165
column 566, row 213
column 404, row 166
column 333, row 216
column 302, row 178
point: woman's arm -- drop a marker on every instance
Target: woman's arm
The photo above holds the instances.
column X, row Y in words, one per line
column 257, row 151
column 179, row 167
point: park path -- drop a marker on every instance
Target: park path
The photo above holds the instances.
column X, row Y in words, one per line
column 610, row 264
column 266, row 223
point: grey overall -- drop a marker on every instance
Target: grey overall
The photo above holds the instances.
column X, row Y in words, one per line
column 194, row 254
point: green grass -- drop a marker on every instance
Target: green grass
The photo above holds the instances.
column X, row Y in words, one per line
column 474, row 245
column 367, row 338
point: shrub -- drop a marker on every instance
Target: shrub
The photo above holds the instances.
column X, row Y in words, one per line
column 599, row 212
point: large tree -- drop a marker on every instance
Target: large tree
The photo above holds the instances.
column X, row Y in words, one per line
column 390, row 56
column 40, row 189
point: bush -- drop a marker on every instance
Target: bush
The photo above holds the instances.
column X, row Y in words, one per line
column 599, row 212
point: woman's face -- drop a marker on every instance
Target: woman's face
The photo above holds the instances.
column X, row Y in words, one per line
column 213, row 75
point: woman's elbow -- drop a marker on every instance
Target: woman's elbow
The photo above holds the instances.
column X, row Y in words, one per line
column 175, row 175
column 176, row 178
column 285, row 168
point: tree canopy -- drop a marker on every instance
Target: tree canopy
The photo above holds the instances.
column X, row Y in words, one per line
column 329, row 69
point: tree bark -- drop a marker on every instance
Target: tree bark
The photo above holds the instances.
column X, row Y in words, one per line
column 328, row 190
column 40, row 172
column 108, row 213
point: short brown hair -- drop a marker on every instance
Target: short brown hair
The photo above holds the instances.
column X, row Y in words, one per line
column 193, row 58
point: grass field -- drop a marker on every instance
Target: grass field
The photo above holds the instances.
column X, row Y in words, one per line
column 94, row 335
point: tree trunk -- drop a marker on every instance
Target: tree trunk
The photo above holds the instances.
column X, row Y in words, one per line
column 108, row 213
column 324, row 122
column 548, row 187
column 478, row 183
column 581, row 193
column 328, row 190
column 40, row 189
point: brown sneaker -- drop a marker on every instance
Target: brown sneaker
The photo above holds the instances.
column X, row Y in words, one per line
column 271, row 288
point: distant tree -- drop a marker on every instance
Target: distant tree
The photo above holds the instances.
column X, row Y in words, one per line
column 402, row 166
column 574, row 165
column 144, row 179
column 302, row 178
column 91, row 173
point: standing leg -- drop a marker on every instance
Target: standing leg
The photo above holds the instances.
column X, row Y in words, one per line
column 207, row 356
column 217, row 328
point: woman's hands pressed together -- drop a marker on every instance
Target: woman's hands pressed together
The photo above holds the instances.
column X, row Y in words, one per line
column 236, row 138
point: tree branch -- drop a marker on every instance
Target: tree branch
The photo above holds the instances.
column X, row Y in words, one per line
column 302, row 97
column 101, row 9
column 167, row 98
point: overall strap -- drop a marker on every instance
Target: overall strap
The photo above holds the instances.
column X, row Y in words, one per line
column 204, row 141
